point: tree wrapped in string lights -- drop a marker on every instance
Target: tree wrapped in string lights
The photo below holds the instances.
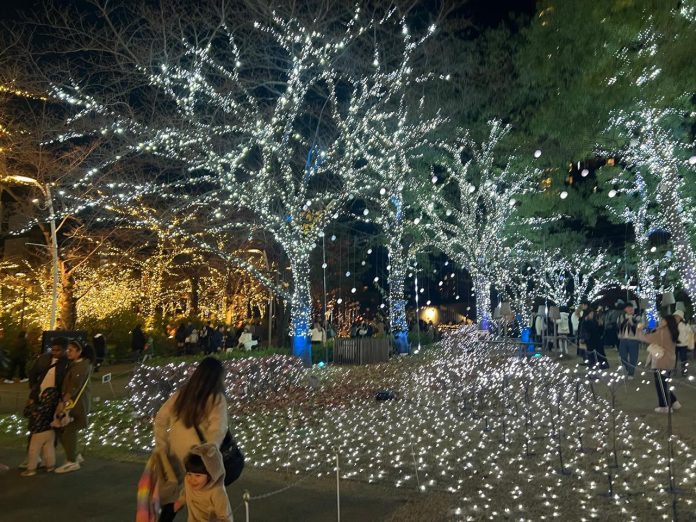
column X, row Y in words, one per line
column 275, row 120
column 472, row 213
column 567, row 279
column 655, row 149
column 402, row 136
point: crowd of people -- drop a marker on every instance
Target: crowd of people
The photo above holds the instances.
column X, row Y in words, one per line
column 211, row 338
column 669, row 342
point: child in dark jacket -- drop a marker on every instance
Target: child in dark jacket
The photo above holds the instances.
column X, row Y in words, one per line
column 204, row 486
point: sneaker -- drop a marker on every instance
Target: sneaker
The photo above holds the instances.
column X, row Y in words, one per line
column 50, row 470
column 24, row 380
column 676, row 405
column 68, row 467
column 8, row 381
column 662, row 409
column 28, row 473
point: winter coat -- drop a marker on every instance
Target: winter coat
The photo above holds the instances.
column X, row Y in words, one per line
column 663, row 338
column 175, row 439
column 686, row 336
column 39, row 370
column 138, row 339
column 78, row 372
column 210, row 503
column 40, row 413
column 592, row 334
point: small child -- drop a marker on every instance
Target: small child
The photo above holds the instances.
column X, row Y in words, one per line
column 204, row 486
column 43, row 437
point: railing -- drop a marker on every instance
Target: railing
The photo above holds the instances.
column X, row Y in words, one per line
column 358, row 350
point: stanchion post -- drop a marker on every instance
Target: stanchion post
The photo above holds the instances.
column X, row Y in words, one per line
column 246, row 497
column 338, row 488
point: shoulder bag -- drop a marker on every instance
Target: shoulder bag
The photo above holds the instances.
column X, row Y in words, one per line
column 232, row 456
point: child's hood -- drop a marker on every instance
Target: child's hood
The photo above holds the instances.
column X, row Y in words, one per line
column 212, row 459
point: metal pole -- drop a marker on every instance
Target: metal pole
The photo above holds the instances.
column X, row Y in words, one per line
column 24, row 304
column 323, row 266
column 338, row 488
column 54, row 250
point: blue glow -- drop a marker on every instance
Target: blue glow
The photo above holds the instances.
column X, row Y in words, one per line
column 321, row 364
column 526, row 337
column 401, row 341
column 302, row 348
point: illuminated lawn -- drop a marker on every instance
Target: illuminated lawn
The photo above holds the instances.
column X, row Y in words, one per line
column 507, row 437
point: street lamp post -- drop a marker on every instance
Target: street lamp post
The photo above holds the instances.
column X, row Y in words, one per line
column 46, row 190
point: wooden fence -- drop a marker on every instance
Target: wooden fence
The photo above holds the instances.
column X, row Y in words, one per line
column 361, row 350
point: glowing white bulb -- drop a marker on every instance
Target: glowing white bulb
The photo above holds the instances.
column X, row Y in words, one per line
column 434, row 179
column 339, row 300
column 416, row 221
column 369, row 251
column 366, row 212
column 348, row 274
column 537, row 153
column 612, row 193
column 382, row 191
column 564, row 194
column 353, row 290
column 472, row 189
column 653, row 249
column 585, row 173
column 692, row 160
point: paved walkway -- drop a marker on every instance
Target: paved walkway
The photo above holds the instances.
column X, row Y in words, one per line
column 104, row 491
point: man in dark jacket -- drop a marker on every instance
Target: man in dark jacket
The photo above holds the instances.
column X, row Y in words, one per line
column 49, row 369
column 138, row 342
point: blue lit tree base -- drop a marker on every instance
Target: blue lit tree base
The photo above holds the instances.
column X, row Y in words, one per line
column 302, row 348
column 401, row 342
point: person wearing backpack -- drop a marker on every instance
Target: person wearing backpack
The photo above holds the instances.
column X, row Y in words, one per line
column 685, row 343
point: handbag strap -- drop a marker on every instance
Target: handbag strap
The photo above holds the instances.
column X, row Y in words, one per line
column 74, row 401
column 200, row 434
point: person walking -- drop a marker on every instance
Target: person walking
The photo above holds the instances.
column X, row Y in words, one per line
column 629, row 345
column 663, row 357
column 138, row 342
column 73, row 410
column 685, row 343
column 19, row 355
column 200, row 405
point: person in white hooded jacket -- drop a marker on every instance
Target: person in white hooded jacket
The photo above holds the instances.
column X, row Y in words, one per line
column 685, row 342
column 204, row 486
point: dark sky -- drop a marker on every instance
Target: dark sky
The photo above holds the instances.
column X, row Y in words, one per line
column 483, row 13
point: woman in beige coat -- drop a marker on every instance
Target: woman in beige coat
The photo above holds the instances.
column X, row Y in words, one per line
column 199, row 403
column 663, row 359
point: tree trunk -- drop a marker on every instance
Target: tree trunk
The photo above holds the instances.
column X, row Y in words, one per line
column 195, row 286
column 398, row 262
column 683, row 250
column 300, row 307
column 67, row 304
column 482, row 290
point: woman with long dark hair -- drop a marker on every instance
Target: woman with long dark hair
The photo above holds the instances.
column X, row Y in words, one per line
column 198, row 407
column 663, row 359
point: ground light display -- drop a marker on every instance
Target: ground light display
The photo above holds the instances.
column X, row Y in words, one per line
column 505, row 435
